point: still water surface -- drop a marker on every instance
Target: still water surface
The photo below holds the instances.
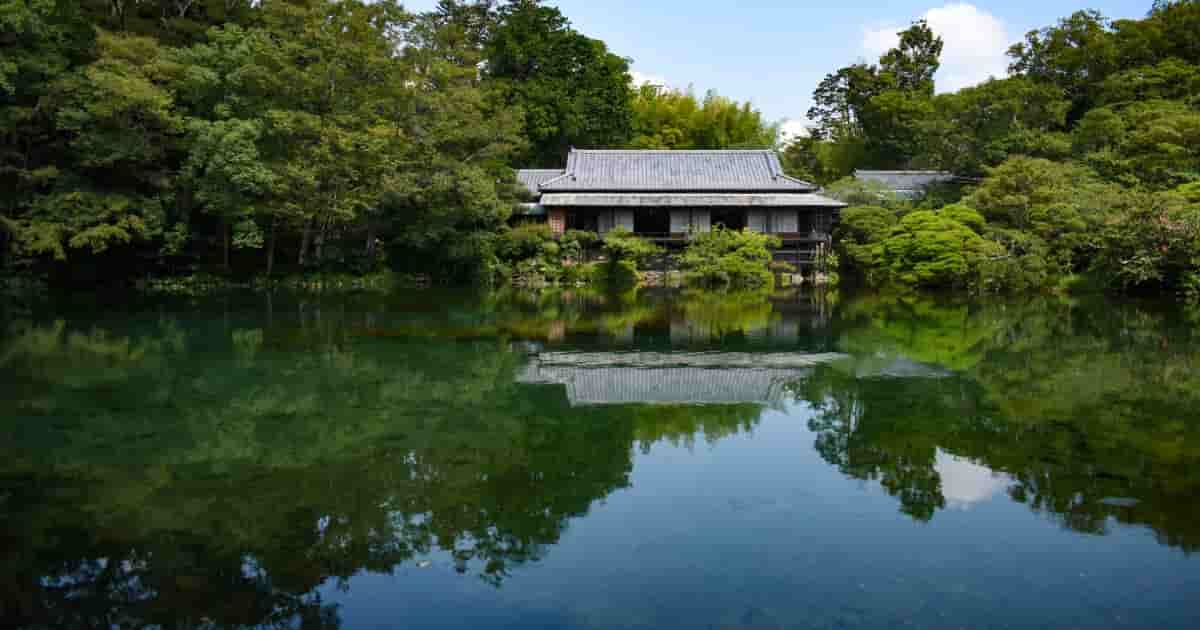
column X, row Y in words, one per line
column 456, row 460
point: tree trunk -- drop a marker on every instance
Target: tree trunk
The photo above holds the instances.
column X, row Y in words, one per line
column 305, row 237
column 271, row 249
column 370, row 243
column 320, row 244
column 225, row 244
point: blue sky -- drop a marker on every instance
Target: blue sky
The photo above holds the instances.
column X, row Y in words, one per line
column 773, row 52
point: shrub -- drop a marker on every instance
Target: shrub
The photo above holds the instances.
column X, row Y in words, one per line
column 729, row 258
column 524, row 241
column 625, row 253
column 576, row 244
column 966, row 216
column 932, row 250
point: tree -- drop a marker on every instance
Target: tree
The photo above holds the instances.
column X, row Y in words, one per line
column 119, row 124
column 1150, row 143
column 675, row 119
column 982, row 126
column 452, row 188
column 840, row 100
column 912, row 64
column 572, row 90
column 1076, row 55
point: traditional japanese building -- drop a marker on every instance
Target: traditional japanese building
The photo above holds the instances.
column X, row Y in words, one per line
column 665, row 196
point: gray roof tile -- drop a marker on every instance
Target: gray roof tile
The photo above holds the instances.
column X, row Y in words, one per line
column 674, row 171
column 531, row 178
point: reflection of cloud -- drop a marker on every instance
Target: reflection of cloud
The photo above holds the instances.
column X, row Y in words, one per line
column 965, row 483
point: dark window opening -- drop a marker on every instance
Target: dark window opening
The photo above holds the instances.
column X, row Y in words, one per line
column 808, row 222
column 586, row 220
column 730, row 219
column 651, row 221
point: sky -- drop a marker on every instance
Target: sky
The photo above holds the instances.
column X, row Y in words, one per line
column 773, row 53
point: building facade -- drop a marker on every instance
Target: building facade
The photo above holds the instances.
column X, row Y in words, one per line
column 666, row 196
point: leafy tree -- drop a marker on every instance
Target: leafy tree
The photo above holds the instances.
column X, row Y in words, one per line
column 572, row 90
column 911, row 65
column 982, row 126
column 1154, row 143
column 1076, row 55
column 1154, row 244
column 674, row 119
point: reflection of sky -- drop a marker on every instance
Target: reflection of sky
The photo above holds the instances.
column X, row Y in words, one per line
column 965, row 483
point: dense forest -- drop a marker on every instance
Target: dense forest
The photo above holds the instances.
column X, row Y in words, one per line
column 259, row 139
column 166, row 137
column 1081, row 167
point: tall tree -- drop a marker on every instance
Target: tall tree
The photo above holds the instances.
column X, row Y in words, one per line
column 1076, row 55
column 572, row 90
column 911, row 65
column 676, row 119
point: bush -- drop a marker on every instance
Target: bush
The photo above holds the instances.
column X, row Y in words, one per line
column 625, row 253
column 729, row 258
column 931, row 250
column 577, row 244
column 965, row 215
column 524, row 241
column 860, row 229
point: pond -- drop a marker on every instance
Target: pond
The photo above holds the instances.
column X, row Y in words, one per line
column 476, row 460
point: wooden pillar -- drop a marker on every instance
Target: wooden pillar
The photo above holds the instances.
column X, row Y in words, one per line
column 558, row 221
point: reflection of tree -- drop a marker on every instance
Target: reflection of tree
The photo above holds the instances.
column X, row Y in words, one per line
column 884, row 430
column 1090, row 409
column 221, row 471
column 718, row 314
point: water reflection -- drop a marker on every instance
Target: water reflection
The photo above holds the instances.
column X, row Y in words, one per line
column 188, row 466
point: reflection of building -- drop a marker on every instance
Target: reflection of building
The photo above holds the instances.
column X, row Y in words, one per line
column 604, row 378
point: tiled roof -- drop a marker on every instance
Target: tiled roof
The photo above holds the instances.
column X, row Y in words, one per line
column 674, row 171
column 691, row 200
column 905, row 181
column 531, row 178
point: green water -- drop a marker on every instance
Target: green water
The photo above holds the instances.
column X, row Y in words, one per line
column 457, row 460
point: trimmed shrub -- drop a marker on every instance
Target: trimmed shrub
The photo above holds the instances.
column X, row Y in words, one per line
column 724, row 258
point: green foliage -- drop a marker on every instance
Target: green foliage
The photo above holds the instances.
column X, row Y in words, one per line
column 876, row 113
column 859, row 232
column 1155, row 243
column 1152, row 143
column 964, row 215
column 674, row 119
column 624, row 254
column 729, row 258
column 524, row 241
column 929, row 249
column 572, row 90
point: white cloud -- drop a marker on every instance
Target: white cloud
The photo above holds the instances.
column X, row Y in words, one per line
column 975, row 43
column 640, row 78
column 791, row 129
